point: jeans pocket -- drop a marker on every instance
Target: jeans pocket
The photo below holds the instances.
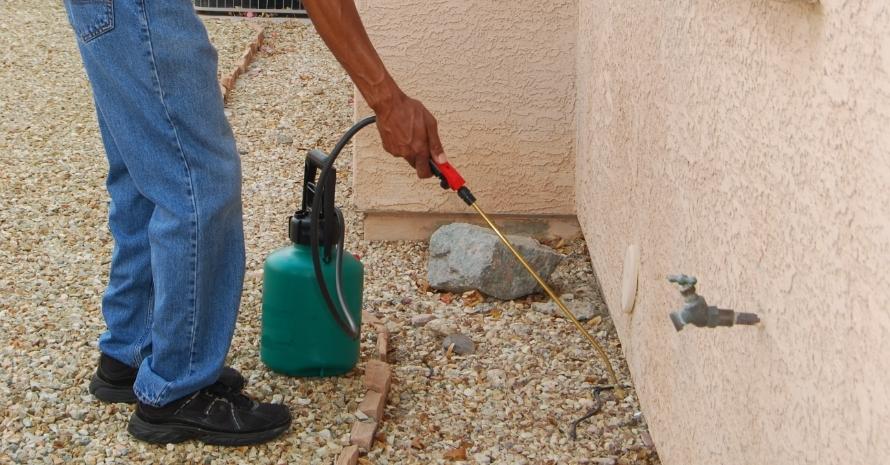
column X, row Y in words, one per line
column 90, row 18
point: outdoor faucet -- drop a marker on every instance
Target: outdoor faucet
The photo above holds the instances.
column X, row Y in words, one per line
column 697, row 312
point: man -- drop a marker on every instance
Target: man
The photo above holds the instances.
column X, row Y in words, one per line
column 175, row 185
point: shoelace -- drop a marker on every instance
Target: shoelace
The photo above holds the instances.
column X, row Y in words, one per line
column 237, row 399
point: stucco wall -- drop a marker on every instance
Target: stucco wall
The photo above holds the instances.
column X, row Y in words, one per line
column 746, row 142
column 499, row 77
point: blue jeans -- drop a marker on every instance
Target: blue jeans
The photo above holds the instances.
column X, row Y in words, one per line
column 174, row 178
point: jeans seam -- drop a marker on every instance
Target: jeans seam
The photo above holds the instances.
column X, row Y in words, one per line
column 137, row 348
column 194, row 243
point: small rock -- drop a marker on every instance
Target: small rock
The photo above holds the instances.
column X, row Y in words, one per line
column 496, row 377
column 521, row 329
column 422, row 319
column 547, row 308
column 582, row 309
column 463, row 345
column 482, row 459
column 465, row 257
column 284, row 139
column 604, row 461
column 481, row 309
column 441, row 327
column 647, row 439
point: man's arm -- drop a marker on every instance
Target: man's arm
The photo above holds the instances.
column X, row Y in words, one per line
column 407, row 128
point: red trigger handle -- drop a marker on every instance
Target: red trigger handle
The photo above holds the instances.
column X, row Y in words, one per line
column 448, row 176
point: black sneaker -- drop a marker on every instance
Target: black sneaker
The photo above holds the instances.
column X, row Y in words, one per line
column 214, row 415
column 113, row 381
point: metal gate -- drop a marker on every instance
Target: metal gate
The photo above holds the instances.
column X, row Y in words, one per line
column 275, row 7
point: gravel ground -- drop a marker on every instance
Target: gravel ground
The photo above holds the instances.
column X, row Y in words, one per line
column 510, row 402
column 229, row 37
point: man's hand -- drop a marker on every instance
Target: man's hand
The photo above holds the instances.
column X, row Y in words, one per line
column 407, row 128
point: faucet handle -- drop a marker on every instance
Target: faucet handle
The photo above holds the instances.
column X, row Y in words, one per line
column 683, row 280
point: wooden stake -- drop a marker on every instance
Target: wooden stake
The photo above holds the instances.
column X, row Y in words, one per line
column 378, row 376
column 373, row 405
column 362, row 434
column 383, row 346
column 348, row 456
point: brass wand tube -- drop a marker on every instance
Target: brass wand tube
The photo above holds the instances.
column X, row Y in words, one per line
column 566, row 312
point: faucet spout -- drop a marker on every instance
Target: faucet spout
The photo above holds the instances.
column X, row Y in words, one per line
column 697, row 312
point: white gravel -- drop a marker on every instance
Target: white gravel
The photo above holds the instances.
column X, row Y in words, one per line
column 510, row 402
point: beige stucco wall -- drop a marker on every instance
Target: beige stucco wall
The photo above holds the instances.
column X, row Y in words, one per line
column 746, row 142
column 499, row 76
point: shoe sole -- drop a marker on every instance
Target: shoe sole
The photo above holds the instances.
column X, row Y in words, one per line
column 172, row 434
column 109, row 393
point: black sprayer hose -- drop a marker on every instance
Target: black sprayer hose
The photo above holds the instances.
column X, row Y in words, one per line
column 348, row 326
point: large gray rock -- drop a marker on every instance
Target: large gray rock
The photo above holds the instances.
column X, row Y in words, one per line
column 465, row 257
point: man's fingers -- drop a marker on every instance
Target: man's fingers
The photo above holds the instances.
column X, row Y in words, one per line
column 432, row 135
column 421, row 149
column 422, row 165
column 411, row 159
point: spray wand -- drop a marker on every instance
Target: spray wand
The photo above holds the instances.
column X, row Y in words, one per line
column 449, row 178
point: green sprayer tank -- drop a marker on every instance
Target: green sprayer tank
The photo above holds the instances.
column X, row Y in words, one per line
column 304, row 331
column 300, row 338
